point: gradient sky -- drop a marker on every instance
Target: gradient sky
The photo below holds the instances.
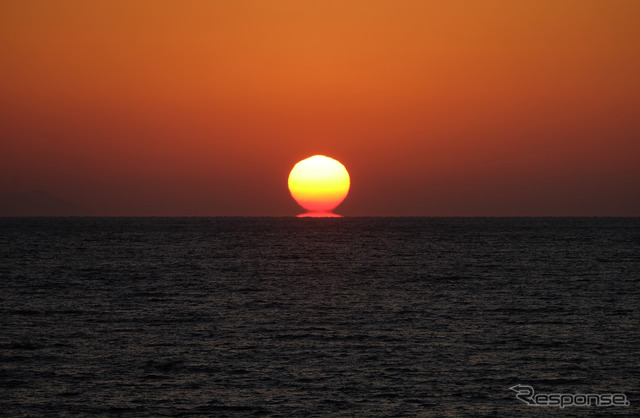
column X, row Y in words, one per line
column 440, row 108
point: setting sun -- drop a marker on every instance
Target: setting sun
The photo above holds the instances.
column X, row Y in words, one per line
column 319, row 184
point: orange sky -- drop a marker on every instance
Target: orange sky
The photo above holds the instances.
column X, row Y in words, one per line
column 435, row 107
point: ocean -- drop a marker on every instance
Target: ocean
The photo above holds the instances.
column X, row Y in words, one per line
column 318, row 317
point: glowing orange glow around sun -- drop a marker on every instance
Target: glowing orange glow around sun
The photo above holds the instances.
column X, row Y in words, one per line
column 319, row 184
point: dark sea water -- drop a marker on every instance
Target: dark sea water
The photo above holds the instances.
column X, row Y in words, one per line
column 321, row 317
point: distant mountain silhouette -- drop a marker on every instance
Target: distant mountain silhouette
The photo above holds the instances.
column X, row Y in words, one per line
column 37, row 203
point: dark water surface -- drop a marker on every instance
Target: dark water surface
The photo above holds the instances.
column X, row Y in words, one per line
column 324, row 317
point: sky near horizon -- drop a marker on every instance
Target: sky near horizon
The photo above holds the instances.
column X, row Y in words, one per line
column 436, row 108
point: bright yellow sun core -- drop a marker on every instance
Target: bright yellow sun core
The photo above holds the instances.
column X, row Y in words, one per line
column 319, row 183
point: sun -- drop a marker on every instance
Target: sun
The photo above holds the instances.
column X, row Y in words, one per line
column 319, row 184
